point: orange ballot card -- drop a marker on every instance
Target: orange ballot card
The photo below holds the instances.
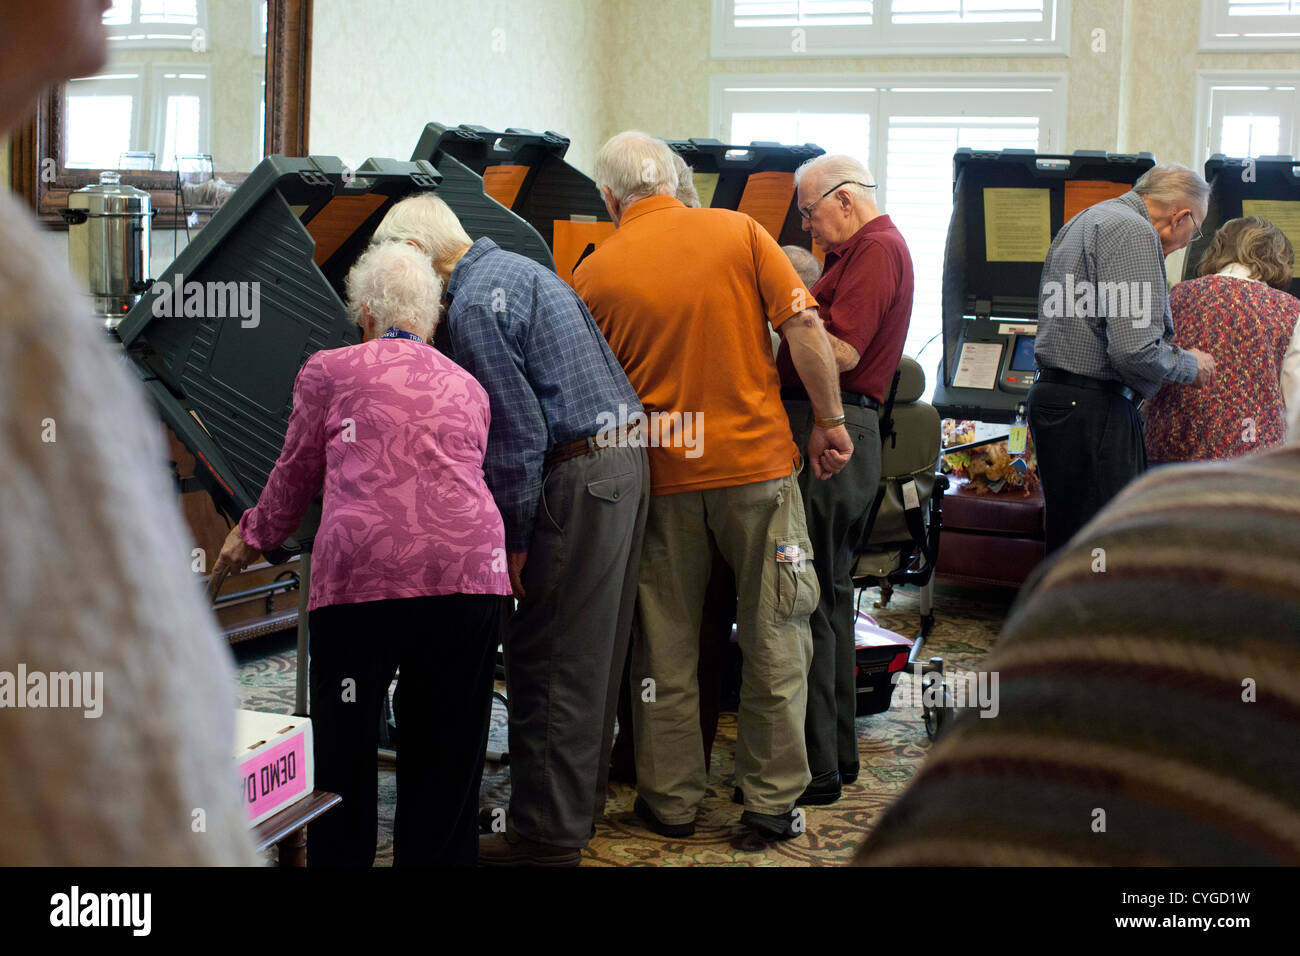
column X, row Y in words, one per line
column 1082, row 193
column 767, row 198
column 502, row 182
column 569, row 241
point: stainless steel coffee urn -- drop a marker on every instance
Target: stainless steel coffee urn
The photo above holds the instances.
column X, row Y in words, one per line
column 108, row 243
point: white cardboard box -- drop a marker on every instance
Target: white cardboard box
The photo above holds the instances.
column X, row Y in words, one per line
column 273, row 753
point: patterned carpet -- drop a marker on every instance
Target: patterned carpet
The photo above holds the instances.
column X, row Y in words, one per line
column 892, row 745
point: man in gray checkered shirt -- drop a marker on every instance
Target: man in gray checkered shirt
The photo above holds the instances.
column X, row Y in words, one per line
column 1105, row 342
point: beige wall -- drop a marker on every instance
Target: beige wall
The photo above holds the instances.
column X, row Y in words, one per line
column 583, row 68
column 377, row 79
column 1161, row 64
column 1137, row 94
column 668, row 95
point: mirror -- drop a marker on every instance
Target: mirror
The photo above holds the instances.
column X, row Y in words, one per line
column 195, row 93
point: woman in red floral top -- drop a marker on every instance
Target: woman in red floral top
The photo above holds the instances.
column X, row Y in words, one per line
column 1238, row 312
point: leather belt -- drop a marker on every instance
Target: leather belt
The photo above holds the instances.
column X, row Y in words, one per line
column 1055, row 376
column 797, row 393
column 580, row 446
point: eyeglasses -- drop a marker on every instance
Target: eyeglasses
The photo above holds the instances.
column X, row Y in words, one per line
column 1197, row 226
column 806, row 211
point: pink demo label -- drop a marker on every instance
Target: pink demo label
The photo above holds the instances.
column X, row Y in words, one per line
column 272, row 777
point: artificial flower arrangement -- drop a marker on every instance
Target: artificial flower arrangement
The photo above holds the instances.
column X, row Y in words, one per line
column 989, row 469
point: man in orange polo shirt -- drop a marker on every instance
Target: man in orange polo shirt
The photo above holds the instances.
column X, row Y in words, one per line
column 685, row 297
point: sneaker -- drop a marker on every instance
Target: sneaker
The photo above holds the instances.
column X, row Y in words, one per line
column 642, row 810
column 775, row 826
column 513, row 849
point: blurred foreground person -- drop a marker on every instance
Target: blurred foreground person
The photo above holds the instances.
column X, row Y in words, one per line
column 117, row 693
column 407, row 568
column 1147, row 706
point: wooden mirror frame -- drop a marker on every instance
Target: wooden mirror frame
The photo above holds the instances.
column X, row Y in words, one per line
column 288, row 85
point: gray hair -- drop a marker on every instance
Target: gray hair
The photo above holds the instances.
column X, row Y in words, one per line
column 396, row 282
column 836, row 169
column 427, row 221
column 805, row 264
column 634, row 165
column 685, row 183
column 1172, row 184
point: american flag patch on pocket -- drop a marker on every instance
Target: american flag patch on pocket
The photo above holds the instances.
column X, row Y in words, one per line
column 789, row 554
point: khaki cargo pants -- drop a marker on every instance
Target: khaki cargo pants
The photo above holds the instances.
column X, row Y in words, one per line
column 759, row 529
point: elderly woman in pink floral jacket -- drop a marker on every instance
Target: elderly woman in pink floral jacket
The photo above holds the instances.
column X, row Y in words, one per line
column 408, row 567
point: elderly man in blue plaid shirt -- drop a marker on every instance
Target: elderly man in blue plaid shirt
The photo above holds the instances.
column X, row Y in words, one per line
column 574, row 500
column 1106, row 342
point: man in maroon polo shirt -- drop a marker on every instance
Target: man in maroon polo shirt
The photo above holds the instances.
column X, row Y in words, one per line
column 865, row 298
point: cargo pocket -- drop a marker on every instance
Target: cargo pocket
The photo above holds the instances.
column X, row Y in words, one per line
column 796, row 583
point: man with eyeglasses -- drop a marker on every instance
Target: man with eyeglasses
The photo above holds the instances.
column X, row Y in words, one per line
column 864, row 298
column 1106, row 342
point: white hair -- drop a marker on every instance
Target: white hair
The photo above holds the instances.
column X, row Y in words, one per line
column 396, row 282
column 834, row 169
column 634, row 165
column 427, row 221
column 1172, row 184
column 805, row 264
column 686, row 191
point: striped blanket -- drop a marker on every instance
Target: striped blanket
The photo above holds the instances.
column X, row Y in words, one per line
column 1149, row 680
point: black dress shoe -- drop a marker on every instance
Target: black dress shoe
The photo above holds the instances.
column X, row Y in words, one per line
column 622, row 773
column 849, row 774
column 775, row 826
column 642, row 810
column 824, row 788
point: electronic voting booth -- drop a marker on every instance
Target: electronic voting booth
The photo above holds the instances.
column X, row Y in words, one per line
column 526, row 173
column 223, row 380
column 1007, row 207
column 1266, row 186
column 757, row 179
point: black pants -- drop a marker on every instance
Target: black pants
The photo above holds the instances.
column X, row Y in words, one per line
column 837, row 511
column 1090, row 446
column 446, row 648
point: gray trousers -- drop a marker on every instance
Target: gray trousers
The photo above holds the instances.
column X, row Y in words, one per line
column 837, row 511
column 566, row 643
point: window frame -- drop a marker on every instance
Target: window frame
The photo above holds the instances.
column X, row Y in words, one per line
column 159, row 90
column 122, row 36
column 1214, row 17
column 883, row 38
column 139, row 90
column 1207, row 80
column 880, row 84
column 936, row 88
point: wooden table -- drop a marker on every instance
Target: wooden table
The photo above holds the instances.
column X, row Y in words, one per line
column 287, row 830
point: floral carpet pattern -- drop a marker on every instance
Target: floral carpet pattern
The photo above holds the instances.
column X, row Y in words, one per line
column 892, row 746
